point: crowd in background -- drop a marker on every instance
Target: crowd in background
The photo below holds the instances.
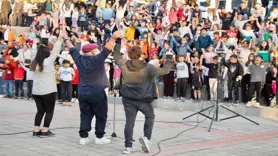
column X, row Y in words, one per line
column 200, row 34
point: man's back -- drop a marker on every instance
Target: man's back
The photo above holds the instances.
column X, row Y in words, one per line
column 92, row 75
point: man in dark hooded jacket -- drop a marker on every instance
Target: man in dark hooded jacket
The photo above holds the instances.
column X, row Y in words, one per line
column 138, row 90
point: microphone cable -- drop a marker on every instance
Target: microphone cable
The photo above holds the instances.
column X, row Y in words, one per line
column 186, row 130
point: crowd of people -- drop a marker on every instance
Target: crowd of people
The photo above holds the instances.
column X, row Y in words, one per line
column 193, row 31
column 193, row 45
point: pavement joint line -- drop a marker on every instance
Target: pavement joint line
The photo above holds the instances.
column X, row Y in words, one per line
column 216, row 131
column 216, row 143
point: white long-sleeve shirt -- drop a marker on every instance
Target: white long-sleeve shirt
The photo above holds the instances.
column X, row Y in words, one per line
column 45, row 81
column 29, row 74
column 185, row 30
column 44, row 33
column 75, row 15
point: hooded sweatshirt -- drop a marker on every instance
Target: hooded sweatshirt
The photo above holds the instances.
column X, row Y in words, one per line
column 139, row 77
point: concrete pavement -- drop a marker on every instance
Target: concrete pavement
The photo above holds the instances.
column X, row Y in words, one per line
column 235, row 137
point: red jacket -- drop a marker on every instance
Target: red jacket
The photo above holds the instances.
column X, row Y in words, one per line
column 75, row 80
column 8, row 74
column 181, row 16
column 9, row 69
column 19, row 73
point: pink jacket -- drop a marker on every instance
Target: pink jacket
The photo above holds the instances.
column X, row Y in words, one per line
column 173, row 16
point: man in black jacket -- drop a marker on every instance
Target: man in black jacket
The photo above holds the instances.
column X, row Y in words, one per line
column 138, row 91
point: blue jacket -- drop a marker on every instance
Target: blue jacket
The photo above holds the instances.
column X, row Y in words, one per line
column 92, row 75
column 203, row 42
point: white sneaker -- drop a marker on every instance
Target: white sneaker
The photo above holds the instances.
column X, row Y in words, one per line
column 257, row 105
column 102, row 141
column 145, row 144
column 84, row 141
column 1, row 96
column 249, row 104
column 128, row 150
column 73, row 100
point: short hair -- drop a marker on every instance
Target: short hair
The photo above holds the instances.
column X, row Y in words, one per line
column 234, row 56
column 260, row 56
column 134, row 52
column 66, row 62
column 216, row 33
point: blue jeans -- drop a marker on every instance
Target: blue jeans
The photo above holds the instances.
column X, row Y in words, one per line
column 9, row 88
column 1, row 87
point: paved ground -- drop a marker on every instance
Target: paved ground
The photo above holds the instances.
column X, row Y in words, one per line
column 236, row 137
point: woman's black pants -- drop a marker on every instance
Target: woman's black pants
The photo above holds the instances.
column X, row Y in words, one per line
column 45, row 106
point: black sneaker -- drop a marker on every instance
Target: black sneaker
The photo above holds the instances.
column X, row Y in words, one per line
column 37, row 134
column 47, row 134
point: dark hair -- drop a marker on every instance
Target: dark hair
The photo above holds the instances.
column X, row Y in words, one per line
column 43, row 52
column 250, row 61
column 184, row 56
column 66, row 62
column 266, row 47
column 134, row 53
column 259, row 56
column 56, row 34
column 154, row 43
column 234, row 56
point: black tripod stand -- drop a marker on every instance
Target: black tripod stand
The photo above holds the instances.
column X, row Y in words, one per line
column 114, row 135
column 216, row 105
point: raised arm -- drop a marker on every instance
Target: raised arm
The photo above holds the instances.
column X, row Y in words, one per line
column 56, row 50
column 100, row 58
column 117, row 54
column 153, row 71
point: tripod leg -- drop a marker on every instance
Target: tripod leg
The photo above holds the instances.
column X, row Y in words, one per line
column 197, row 112
column 114, row 135
column 238, row 115
column 211, row 122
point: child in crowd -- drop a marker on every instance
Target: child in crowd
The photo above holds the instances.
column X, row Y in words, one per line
column 155, row 61
column 212, row 74
column 196, row 81
column 235, row 72
column 182, row 78
column 29, row 79
column 19, row 77
column 66, row 75
column 257, row 74
column 75, row 85
column 44, row 35
column 57, row 67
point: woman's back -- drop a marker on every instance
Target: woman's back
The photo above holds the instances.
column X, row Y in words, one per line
column 45, row 81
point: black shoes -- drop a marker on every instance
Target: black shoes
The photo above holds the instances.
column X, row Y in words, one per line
column 47, row 134
column 37, row 134
column 43, row 134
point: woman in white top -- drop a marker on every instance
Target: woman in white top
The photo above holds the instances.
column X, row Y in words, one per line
column 74, row 17
column 44, row 86
column 120, row 11
column 67, row 14
column 25, row 54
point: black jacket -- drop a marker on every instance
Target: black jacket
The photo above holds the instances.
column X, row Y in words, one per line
column 234, row 69
column 138, row 81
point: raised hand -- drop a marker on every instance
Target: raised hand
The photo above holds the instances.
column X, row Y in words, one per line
column 116, row 35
